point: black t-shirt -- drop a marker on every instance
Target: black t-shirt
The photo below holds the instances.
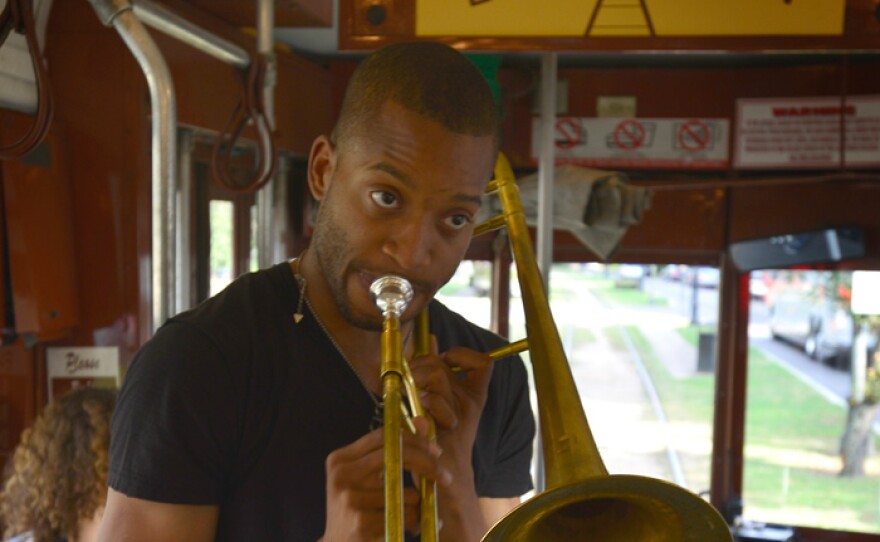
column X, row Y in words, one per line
column 234, row 404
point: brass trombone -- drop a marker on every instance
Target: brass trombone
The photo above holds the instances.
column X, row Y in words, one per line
column 582, row 500
column 392, row 294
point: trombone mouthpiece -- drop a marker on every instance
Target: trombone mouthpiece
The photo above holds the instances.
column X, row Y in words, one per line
column 392, row 294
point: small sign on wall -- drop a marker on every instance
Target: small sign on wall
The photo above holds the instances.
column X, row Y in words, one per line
column 79, row 366
column 807, row 133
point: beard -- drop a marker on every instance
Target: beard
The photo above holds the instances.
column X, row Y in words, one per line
column 331, row 245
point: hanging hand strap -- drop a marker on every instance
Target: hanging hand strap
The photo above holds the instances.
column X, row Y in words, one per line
column 250, row 107
column 18, row 15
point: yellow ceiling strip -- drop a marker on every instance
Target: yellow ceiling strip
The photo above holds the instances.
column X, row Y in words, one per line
column 566, row 18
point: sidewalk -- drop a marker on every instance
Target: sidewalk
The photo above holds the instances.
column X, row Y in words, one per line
column 630, row 438
column 631, row 430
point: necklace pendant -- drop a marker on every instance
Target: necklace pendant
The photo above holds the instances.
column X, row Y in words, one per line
column 297, row 318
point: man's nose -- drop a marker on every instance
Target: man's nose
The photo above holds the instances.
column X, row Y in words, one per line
column 410, row 243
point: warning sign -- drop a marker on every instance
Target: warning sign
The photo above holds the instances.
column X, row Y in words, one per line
column 807, row 133
column 639, row 142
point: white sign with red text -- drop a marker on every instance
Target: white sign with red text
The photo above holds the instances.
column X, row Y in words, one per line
column 78, row 366
column 806, row 132
column 655, row 143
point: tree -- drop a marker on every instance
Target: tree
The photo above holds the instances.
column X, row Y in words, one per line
column 864, row 402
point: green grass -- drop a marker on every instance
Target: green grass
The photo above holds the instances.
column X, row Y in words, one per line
column 792, row 443
column 684, row 399
column 608, row 293
column 615, row 338
column 583, row 335
column 792, row 440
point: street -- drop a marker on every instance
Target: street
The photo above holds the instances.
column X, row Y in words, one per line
column 833, row 384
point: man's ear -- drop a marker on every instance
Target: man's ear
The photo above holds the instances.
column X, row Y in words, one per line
column 322, row 163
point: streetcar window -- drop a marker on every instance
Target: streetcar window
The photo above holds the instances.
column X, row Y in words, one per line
column 640, row 343
column 222, row 243
column 811, row 406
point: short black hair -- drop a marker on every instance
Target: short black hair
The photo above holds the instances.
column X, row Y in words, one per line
column 428, row 78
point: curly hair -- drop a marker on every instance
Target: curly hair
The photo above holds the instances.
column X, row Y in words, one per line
column 57, row 475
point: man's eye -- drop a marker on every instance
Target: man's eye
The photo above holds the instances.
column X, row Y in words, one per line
column 384, row 199
column 458, row 221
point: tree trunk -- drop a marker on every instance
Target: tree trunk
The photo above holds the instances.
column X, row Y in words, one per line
column 855, row 445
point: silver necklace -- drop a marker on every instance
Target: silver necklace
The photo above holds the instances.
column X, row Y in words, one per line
column 377, row 419
column 339, row 350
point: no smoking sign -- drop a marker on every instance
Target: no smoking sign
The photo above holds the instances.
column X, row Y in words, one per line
column 629, row 135
column 570, row 133
column 676, row 143
column 694, row 136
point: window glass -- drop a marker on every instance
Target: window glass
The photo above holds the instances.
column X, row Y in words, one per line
column 811, row 416
column 221, row 247
column 253, row 255
column 640, row 343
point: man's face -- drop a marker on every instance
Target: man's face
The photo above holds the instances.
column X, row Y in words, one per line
column 402, row 198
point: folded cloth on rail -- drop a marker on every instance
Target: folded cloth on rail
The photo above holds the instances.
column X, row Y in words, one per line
column 596, row 206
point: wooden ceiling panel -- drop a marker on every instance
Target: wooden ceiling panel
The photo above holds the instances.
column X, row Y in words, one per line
column 288, row 13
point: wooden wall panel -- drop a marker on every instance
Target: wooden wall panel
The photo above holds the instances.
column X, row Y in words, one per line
column 304, row 106
column 687, row 224
column 768, row 211
column 103, row 102
column 19, row 386
column 37, row 214
column 102, row 108
column 304, row 13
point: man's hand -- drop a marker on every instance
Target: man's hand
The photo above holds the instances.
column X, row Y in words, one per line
column 355, row 490
column 453, row 388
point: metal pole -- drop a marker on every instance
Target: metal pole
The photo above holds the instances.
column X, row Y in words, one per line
column 265, row 44
column 166, row 299
column 183, row 231
column 164, row 145
column 546, row 163
column 168, row 22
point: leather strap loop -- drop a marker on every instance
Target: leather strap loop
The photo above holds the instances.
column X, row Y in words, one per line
column 18, row 16
column 250, row 107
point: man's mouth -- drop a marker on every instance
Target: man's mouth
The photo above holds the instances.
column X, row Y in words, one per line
column 366, row 279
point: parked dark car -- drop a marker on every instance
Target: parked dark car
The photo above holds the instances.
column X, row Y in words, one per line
column 823, row 328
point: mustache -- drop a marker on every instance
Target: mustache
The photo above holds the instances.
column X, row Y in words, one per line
column 419, row 285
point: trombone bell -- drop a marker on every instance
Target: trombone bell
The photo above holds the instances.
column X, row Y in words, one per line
column 612, row 508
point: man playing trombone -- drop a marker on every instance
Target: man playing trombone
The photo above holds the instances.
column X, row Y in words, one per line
column 256, row 415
